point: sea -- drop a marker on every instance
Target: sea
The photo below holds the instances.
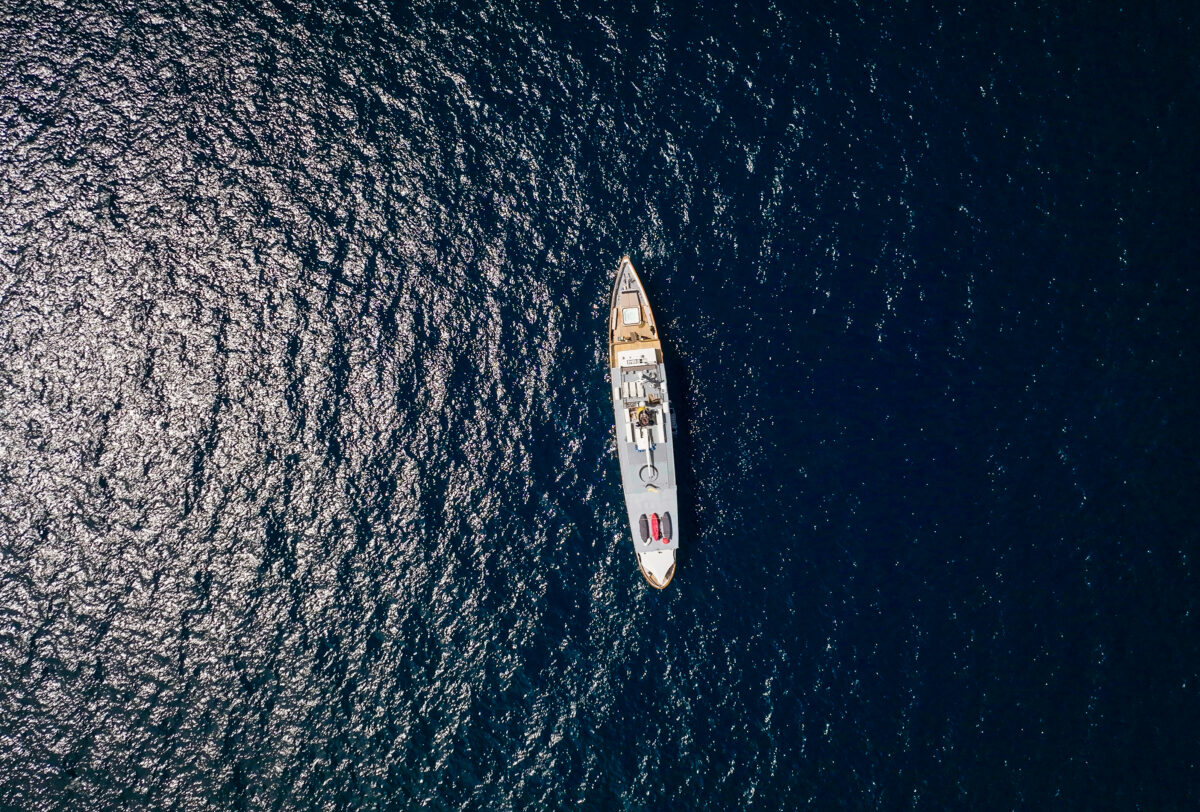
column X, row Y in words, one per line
column 308, row 493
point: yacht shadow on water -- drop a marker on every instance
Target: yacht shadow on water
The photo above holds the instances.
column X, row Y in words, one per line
column 681, row 414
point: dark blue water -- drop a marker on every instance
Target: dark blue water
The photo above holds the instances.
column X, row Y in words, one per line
column 307, row 494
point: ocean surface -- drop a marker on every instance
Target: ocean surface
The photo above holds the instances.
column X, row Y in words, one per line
column 308, row 496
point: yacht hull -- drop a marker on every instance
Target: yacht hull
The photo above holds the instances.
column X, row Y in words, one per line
column 644, row 435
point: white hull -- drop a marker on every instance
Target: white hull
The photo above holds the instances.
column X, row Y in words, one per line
column 642, row 416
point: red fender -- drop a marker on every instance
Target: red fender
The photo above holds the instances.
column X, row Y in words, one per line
column 654, row 531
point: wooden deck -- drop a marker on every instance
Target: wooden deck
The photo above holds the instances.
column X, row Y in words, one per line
column 641, row 334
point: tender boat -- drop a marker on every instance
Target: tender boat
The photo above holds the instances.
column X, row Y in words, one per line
column 644, row 426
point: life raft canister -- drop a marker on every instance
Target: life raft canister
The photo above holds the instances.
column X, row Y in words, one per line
column 654, row 531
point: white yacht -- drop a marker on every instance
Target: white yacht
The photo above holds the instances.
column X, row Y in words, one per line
column 645, row 436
